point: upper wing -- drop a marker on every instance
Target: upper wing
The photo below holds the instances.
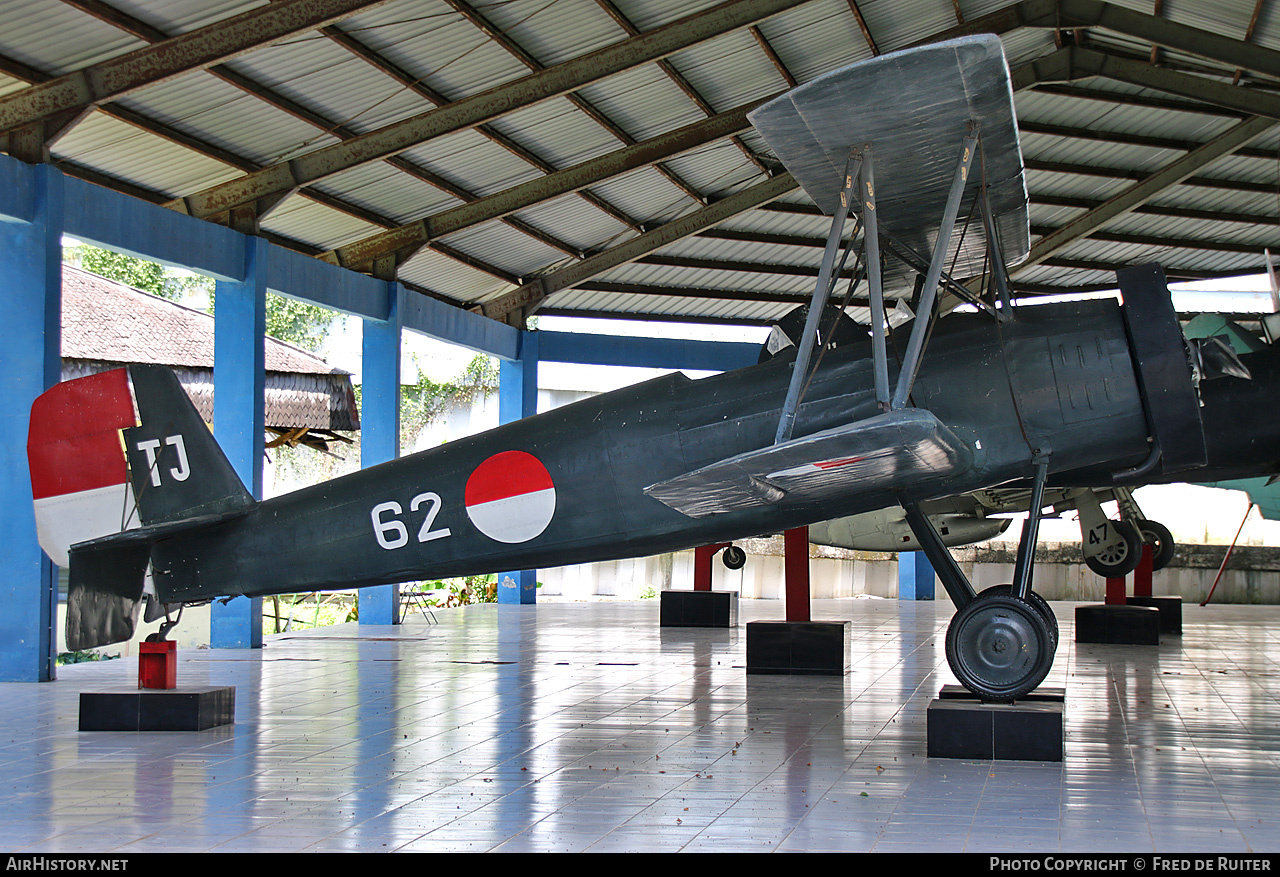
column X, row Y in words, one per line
column 915, row 135
column 887, row 452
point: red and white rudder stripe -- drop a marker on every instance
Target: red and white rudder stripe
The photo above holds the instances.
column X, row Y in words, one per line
column 79, row 474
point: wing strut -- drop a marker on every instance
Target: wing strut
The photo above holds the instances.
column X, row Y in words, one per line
column 875, row 280
column 818, row 303
column 924, row 313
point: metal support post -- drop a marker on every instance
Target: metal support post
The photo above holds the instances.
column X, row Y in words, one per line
column 796, row 573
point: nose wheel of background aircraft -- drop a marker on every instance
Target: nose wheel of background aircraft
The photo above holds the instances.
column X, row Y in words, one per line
column 999, row 647
column 1119, row 556
column 1157, row 535
column 733, row 557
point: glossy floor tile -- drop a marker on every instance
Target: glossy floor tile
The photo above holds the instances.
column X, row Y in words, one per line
column 585, row 727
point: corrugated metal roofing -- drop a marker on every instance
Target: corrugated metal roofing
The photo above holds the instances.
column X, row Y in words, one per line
column 1085, row 141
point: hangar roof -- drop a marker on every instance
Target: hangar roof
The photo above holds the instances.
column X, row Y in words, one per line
column 517, row 156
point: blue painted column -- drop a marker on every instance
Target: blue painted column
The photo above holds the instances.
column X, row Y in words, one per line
column 915, row 576
column 239, row 415
column 30, row 363
column 517, row 398
column 380, row 428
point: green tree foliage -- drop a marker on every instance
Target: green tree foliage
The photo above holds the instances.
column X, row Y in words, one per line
column 287, row 320
column 425, row 401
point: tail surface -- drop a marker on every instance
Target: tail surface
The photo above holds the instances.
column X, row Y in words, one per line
column 118, row 459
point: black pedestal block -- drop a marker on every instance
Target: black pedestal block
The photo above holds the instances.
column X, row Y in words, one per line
column 193, row 708
column 962, row 726
column 1121, row 625
column 797, row 647
column 1170, row 611
column 698, row 609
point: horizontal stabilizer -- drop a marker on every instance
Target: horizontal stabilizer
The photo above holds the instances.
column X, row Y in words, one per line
column 888, row 452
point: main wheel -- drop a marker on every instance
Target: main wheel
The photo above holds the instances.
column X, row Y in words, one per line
column 1038, row 603
column 1000, row 648
column 733, row 557
column 1121, row 556
column 1157, row 535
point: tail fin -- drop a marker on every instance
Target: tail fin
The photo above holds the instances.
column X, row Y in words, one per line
column 177, row 469
column 99, row 469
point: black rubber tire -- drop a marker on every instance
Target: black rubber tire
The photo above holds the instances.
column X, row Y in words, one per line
column 1121, row 562
column 1000, row 648
column 733, row 557
column 1040, row 604
column 1157, row 535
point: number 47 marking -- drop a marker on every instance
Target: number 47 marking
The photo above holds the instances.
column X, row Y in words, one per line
column 392, row 533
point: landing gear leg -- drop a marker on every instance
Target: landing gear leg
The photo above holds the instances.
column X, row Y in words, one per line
column 1001, row 643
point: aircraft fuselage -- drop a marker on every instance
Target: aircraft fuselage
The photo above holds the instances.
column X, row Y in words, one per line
column 567, row 486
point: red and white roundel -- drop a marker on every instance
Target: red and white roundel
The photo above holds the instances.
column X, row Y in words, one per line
column 510, row 497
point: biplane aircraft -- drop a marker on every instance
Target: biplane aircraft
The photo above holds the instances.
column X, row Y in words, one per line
column 840, row 423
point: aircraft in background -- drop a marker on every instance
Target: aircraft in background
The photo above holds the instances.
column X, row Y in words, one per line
column 845, row 421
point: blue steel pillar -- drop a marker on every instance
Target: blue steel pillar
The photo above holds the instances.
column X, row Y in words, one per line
column 915, row 576
column 380, row 428
column 239, row 415
column 30, row 363
column 517, row 398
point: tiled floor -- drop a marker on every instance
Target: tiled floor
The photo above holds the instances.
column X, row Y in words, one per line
column 581, row 726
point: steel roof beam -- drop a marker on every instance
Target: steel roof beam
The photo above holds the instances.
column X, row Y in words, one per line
column 654, row 317
column 1139, row 193
column 408, row 80
column 1084, row 170
column 681, row 81
column 1086, row 62
column 1159, row 210
column 1233, row 53
column 496, row 34
column 407, row 238
column 201, row 48
column 520, row 302
column 124, row 21
column 1127, row 139
column 702, row 292
column 1165, row 241
column 493, row 103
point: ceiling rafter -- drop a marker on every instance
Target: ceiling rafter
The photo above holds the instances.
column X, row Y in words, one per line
column 1148, row 188
column 118, row 18
column 405, row 239
column 862, row 26
column 406, row 79
column 495, row 33
column 522, row 301
column 680, row 81
column 185, row 53
column 282, row 178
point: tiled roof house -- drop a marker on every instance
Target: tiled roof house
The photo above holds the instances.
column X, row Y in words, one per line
column 106, row 324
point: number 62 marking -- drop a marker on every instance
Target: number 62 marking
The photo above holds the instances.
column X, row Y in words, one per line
column 392, row 533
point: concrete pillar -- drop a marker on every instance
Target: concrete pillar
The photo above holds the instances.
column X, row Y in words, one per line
column 517, row 398
column 30, row 363
column 380, row 428
column 916, row 579
column 239, row 415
